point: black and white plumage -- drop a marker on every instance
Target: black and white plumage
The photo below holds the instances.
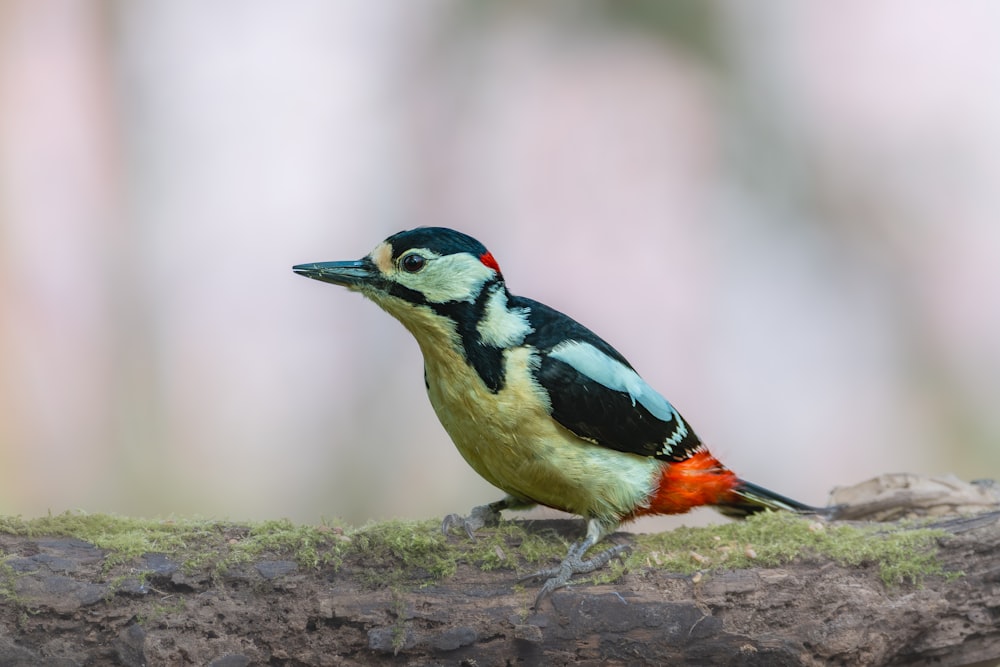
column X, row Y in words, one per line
column 538, row 404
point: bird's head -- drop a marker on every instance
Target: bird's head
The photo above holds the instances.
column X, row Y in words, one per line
column 417, row 272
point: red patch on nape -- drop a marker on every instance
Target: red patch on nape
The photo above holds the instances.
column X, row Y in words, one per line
column 699, row 480
column 487, row 259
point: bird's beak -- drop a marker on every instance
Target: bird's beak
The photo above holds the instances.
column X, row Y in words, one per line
column 349, row 274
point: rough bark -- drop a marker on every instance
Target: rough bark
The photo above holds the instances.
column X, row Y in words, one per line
column 66, row 605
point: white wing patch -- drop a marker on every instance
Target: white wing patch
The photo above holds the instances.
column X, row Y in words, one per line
column 599, row 367
column 501, row 326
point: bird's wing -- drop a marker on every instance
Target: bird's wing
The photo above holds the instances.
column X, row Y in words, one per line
column 597, row 395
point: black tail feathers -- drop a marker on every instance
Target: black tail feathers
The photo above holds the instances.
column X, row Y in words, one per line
column 749, row 498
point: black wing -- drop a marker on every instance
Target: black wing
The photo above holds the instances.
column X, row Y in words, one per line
column 596, row 394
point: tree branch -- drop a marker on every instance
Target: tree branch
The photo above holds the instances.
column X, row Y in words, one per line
column 299, row 601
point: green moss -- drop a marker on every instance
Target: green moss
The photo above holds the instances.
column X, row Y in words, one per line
column 7, row 580
column 399, row 626
column 403, row 553
column 901, row 553
column 398, row 551
column 124, row 538
column 311, row 546
column 195, row 543
column 394, row 551
column 510, row 544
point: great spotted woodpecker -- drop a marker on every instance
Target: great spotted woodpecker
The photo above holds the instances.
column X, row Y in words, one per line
column 537, row 404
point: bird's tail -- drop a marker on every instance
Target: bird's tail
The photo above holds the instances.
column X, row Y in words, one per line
column 702, row 480
column 747, row 498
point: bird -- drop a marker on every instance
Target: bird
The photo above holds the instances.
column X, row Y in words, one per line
column 538, row 405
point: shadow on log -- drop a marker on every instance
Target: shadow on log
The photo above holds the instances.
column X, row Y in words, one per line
column 68, row 602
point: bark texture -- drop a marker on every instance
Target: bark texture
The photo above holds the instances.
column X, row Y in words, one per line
column 66, row 604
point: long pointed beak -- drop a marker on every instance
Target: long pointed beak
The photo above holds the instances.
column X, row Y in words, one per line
column 348, row 274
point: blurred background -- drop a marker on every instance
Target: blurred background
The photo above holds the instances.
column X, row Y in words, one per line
column 784, row 214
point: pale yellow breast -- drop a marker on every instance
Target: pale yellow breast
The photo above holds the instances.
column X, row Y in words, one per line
column 512, row 442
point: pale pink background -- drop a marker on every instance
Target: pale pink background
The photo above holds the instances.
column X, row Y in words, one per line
column 784, row 214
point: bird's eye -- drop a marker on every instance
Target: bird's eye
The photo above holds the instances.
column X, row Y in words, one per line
column 412, row 263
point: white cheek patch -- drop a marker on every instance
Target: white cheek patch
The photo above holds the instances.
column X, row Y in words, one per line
column 599, row 367
column 501, row 326
column 458, row 277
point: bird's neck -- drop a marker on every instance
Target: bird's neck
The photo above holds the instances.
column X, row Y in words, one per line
column 478, row 331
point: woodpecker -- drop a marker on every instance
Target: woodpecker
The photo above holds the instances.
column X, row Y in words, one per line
column 540, row 406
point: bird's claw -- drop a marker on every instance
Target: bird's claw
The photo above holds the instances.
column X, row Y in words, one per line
column 557, row 577
column 483, row 515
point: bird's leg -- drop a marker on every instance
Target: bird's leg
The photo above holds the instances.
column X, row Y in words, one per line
column 557, row 577
column 483, row 515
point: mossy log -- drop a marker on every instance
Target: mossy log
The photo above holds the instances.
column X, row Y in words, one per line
column 775, row 590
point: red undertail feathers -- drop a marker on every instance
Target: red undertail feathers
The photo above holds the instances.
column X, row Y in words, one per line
column 703, row 480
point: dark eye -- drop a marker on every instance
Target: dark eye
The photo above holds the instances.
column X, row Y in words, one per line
column 412, row 263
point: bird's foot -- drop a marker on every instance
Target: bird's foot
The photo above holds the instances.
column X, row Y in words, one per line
column 483, row 515
column 557, row 577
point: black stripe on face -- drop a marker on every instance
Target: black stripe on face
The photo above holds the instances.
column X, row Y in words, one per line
column 486, row 360
column 394, row 289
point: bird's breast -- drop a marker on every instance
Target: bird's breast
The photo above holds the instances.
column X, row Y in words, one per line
column 509, row 437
